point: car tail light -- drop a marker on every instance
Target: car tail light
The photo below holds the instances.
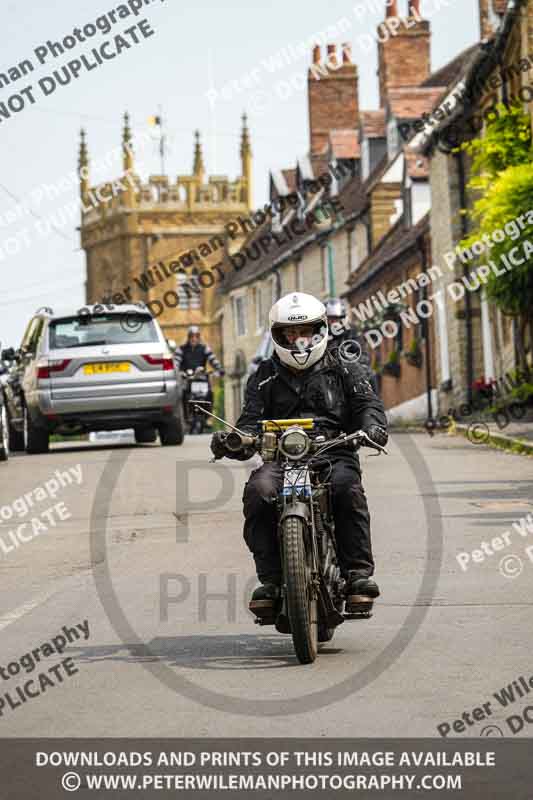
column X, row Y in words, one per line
column 44, row 368
column 160, row 361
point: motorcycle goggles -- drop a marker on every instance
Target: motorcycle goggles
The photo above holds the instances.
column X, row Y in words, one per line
column 299, row 337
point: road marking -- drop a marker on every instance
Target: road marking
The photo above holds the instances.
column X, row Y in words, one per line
column 26, row 608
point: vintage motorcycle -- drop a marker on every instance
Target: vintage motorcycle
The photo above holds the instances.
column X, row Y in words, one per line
column 313, row 600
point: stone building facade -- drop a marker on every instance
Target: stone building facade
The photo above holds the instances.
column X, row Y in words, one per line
column 381, row 201
column 162, row 242
column 475, row 340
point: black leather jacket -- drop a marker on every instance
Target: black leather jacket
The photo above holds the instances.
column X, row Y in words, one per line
column 344, row 398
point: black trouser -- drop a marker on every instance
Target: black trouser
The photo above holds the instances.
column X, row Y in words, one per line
column 350, row 511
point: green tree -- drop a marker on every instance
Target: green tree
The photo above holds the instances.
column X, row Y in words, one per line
column 502, row 177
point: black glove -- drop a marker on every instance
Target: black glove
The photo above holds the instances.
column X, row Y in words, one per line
column 218, row 444
column 378, row 434
column 221, row 372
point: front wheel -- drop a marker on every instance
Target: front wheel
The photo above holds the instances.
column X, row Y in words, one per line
column 302, row 605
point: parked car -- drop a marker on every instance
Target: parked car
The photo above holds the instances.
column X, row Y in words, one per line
column 101, row 368
column 12, row 395
column 4, row 424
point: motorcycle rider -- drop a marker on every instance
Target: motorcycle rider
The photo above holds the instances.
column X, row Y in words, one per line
column 304, row 379
column 340, row 332
column 195, row 354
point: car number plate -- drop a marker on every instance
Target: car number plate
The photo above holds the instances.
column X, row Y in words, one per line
column 199, row 387
column 104, row 369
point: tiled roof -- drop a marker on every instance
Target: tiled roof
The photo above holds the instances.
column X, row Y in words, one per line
column 412, row 103
column 344, row 144
column 373, row 123
column 290, row 178
column 450, row 72
column 397, row 241
column 319, row 164
column 253, row 269
column 353, row 198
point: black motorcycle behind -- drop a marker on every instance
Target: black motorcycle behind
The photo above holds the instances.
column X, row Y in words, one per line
column 197, row 394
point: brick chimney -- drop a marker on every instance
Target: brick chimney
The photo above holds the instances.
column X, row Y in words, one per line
column 490, row 14
column 333, row 87
column 403, row 49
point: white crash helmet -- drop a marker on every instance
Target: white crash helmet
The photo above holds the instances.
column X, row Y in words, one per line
column 299, row 309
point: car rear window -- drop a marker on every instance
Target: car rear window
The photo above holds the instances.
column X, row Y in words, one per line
column 100, row 329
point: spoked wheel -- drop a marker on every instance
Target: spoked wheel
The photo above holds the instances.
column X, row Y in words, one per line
column 302, row 604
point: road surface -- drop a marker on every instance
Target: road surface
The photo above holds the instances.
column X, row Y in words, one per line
column 151, row 556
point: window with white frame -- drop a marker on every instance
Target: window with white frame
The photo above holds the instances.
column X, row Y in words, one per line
column 324, row 267
column 258, row 303
column 239, row 314
column 326, row 277
column 365, row 159
column 273, row 291
column 189, row 292
column 299, row 277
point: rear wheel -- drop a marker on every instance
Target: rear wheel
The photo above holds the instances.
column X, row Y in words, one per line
column 36, row 440
column 302, row 605
column 4, row 434
column 145, row 435
column 172, row 432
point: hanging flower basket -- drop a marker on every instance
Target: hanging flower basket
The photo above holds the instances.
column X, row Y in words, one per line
column 413, row 356
column 393, row 311
column 393, row 370
column 392, row 367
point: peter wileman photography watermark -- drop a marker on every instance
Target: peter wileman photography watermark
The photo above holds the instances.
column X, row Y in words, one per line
column 59, row 219
column 493, row 396
column 49, row 678
column 507, row 696
column 87, row 61
column 248, row 87
column 204, row 593
column 510, row 565
column 19, row 533
column 455, row 290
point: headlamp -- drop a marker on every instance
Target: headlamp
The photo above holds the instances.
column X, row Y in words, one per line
column 294, row 443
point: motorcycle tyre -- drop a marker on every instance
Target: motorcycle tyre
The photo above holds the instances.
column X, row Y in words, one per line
column 302, row 610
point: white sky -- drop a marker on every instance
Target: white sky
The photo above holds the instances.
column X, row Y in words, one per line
column 197, row 46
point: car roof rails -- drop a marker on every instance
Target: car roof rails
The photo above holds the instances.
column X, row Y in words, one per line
column 45, row 310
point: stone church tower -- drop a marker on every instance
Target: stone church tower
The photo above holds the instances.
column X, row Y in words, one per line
column 161, row 241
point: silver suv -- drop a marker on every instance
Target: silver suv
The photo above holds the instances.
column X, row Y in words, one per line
column 99, row 368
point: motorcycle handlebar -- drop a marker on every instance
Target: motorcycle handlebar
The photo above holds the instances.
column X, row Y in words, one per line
column 237, row 441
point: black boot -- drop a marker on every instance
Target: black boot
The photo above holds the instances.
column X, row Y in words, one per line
column 264, row 600
column 360, row 594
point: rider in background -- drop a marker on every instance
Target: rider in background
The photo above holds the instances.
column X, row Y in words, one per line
column 194, row 353
column 303, row 379
column 340, row 331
